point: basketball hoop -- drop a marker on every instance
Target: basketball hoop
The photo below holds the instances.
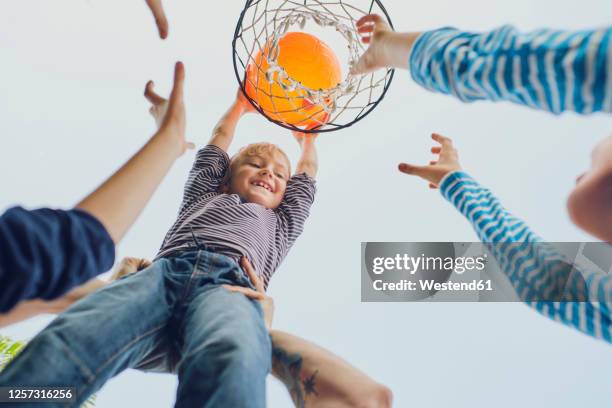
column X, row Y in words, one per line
column 265, row 73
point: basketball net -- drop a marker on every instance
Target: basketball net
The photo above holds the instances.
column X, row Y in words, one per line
column 263, row 24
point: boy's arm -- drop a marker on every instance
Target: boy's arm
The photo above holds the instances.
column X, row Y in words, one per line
column 537, row 271
column 223, row 133
column 546, row 69
column 118, row 201
column 309, row 161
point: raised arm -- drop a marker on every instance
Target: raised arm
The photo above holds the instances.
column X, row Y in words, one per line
column 551, row 70
column 223, row 133
column 313, row 376
column 119, row 200
column 541, row 276
column 309, row 161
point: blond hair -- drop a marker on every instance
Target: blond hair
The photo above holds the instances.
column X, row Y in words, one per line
column 254, row 149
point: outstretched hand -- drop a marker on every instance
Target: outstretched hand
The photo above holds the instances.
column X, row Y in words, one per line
column 448, row 162
column 169, row 114
column 386, row 47
column 267, row 303
column 373, row 30
column 160, row 17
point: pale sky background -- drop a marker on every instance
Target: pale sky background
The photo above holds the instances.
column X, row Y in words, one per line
column 72, row 111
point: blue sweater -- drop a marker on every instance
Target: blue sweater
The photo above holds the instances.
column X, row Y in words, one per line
column 44, row 253
column 551, row 70
column 534, row 268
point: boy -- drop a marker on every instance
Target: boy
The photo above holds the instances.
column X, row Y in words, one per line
column 248, row 206
column 538, row 273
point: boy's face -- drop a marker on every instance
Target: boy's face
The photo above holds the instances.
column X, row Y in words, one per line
column 260, row 178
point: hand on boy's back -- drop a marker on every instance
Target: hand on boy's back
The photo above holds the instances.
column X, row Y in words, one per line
column 448, row 162
column 267, row 303
column 128, row 266
column 169, row 114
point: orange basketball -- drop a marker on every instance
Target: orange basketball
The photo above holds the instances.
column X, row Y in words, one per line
column 305, row 59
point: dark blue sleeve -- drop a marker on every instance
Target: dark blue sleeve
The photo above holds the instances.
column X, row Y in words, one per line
column 44, row 253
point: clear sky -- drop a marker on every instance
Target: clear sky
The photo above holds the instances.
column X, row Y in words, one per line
column 72, row 111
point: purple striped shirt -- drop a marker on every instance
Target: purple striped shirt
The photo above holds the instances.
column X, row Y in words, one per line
column 233, row 227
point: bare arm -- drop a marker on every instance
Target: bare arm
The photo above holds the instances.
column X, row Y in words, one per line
column 223, row 133
column 118, row 201
column 317, row 378
column 309, row 161
column 313, row 376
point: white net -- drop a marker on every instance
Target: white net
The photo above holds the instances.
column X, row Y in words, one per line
column 261, row 27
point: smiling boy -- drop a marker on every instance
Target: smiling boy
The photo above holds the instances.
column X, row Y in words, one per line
column 248, row 206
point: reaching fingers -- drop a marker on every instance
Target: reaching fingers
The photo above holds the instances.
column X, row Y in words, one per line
column 369, row 19
column 443, row 140
column 250, row 293
column 160, row 17
column 248, row 268
column 179, row 80
column 413, row 170
column 364, row 29
column 436, row 149
column 151, row 96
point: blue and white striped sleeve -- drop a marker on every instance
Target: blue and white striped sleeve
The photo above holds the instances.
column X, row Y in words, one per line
column 551, row 70
column 534, row 268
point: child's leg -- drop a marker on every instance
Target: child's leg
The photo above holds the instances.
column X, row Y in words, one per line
column 226, row 353
column 97, row 338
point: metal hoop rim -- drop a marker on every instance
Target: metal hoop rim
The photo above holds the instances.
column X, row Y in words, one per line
column 390, row 73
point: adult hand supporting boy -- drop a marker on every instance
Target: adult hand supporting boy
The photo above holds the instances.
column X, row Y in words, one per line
column 448, row 162
column 118, row 201
column 266, row 302
column 386, row 47
column 309, row 161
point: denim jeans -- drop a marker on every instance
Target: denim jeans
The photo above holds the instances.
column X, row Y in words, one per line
column 172, row 316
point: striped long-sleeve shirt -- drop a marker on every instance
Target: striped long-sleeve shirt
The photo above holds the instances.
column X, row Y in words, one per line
column 552, row 70
column 534, row 268
column 229, row 225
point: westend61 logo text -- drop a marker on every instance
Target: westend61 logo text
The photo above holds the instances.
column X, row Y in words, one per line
column 411, row 264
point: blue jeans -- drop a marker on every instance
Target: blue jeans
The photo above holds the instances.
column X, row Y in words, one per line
column 173, row 316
